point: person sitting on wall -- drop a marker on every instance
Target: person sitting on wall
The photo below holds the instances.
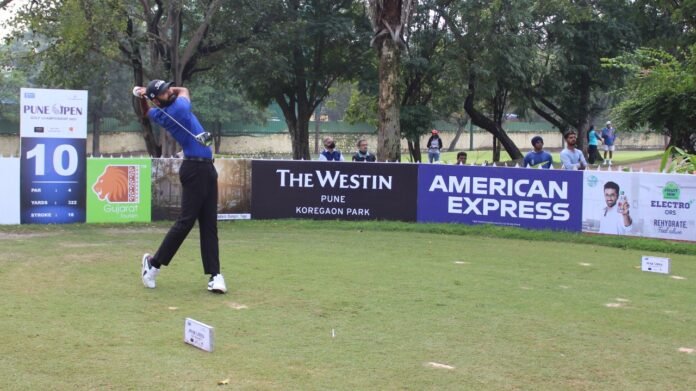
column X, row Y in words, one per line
column 538, row 156
column 363, row 155
column 330, row 152
column 571, row 157
column 461, row 159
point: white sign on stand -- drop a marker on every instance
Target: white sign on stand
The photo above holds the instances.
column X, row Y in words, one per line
column 199, row 334
column 655, row 264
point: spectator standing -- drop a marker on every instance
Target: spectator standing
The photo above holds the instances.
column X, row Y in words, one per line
column 434, row 146
column 538, row 156
column 592, row 142
column 330, row 153
column 363, row 155
column 571, row 157
column 609, row 139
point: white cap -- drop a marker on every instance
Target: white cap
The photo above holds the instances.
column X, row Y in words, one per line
column 608, row 122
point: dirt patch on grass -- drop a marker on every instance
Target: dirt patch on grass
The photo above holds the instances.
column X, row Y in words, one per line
column 439, row 365
column 22, row 236
column 236, row 306
column 138, row 230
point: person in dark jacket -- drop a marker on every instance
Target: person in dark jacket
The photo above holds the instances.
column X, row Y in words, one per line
column 330, row 152
column 434, row 146
column 363, row 155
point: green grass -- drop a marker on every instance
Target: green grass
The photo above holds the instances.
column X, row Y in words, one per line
column 519, row 313
column 479, row 157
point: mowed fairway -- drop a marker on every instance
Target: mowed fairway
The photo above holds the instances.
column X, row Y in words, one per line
column 503, row 314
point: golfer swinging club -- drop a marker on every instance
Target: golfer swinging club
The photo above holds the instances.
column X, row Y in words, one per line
column 172, row 111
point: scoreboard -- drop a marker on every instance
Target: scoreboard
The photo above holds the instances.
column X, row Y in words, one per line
column 53, row 131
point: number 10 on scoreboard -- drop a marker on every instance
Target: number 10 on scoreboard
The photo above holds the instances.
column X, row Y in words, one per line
column 53, row 180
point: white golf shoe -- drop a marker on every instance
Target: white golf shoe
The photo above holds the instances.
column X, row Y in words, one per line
column 217, row 284
column 148, row 273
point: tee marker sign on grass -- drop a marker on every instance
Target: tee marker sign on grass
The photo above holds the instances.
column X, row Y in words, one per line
column 655, row 264
column 199, row 334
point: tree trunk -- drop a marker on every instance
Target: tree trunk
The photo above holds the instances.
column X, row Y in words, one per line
column 582, row 123
column 388, row 135
column 95, row 133
column 455, row 140
column 153, row 147
column 299, row 135
column 496, row 149
column 414, row 150
column 483, row 122
column 217, row 135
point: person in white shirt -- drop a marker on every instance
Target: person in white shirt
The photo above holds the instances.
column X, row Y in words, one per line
column 616, row 219
column 571, row 157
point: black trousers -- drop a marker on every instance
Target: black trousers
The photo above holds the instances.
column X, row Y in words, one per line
column 592, row 154
column 198, row 202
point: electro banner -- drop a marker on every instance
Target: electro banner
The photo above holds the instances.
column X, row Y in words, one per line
column 333, row 190
column 9, row 191
column 118, row 190
column 640, row 204
column 53, row 131
column 527, row 198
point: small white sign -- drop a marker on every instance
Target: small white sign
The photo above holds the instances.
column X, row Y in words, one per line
column 655, row 264
column 234, row 216
column 199, row 334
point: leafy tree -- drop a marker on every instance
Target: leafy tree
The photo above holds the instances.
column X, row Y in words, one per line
column 423, row 62
column 389, row 22
column 159, row 39
column 216, row 102
column 494, row 47
column 569, row 86
column 661, row 93
column 296, row 59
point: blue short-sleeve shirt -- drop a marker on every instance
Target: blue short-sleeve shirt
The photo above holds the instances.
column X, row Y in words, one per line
column 180, row 110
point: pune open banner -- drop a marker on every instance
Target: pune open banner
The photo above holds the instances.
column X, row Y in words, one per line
column 53, row 131
column 118, row 190
column 9, row 191
column 640, row 204
column 519, row 197
column 333, row 190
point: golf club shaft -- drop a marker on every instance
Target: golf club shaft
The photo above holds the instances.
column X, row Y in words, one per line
column 177, row 122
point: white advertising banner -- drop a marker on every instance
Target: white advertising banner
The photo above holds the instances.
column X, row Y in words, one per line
column 53, row 113
column 9, row 191
column 668, row 202
column 639, row 204
column 53, row 130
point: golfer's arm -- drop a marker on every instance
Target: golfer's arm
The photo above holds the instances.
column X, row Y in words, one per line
column 182, row 92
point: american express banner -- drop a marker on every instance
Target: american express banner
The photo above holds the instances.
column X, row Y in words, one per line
column 640, row 204
column 333, row 190
column 527, row 198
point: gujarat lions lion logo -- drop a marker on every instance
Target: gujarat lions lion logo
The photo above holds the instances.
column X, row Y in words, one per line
column 118, row 184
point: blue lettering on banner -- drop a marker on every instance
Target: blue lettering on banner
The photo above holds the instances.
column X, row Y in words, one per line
column 541, row 199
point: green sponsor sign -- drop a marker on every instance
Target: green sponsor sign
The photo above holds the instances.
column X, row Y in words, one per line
column 671, row 191
column 118, row 190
